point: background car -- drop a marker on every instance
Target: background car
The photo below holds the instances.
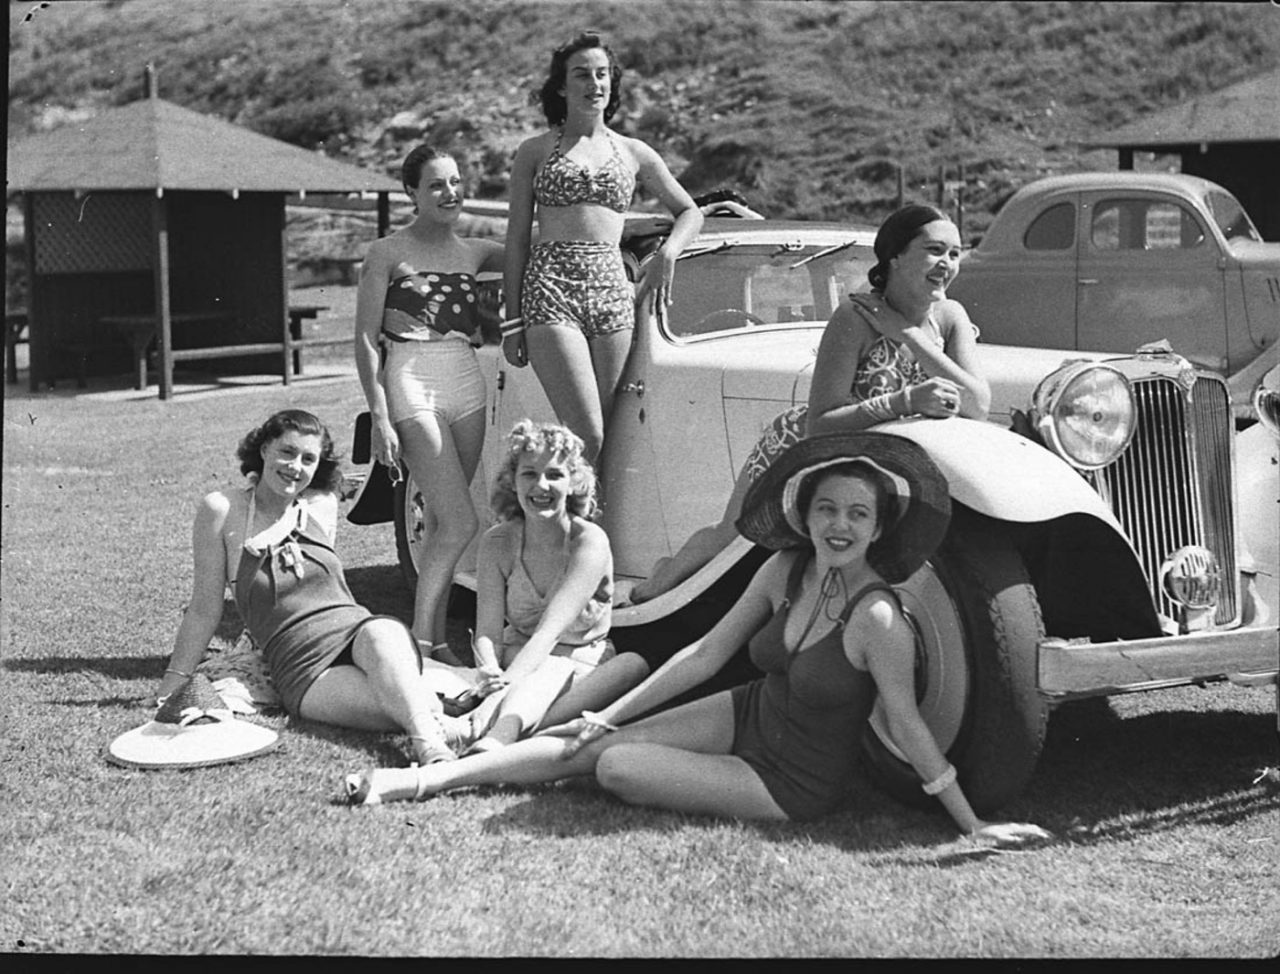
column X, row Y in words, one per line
column 1099, row 549
column 1110, row 261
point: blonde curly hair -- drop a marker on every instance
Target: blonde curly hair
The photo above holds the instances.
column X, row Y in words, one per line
column 529, row 437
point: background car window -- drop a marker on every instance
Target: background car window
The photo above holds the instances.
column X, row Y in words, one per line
column 750, row 286
column 1054, row 229
column 1231, row 218
column 1144, row 225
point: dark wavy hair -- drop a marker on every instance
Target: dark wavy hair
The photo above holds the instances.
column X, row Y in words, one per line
column 411, row 171
column 327, row 477
column 549, row 97
column 895, row 235
column 530, row 437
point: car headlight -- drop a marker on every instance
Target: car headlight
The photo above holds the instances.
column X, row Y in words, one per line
column 1084, row 413
column 1266, row 401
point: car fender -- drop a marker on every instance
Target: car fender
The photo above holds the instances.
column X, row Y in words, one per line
column 1000, row 474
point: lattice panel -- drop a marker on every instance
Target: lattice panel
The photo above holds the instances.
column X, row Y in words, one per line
column 97, row 232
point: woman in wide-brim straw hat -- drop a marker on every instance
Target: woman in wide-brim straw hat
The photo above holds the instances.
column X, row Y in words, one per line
column 851, row 512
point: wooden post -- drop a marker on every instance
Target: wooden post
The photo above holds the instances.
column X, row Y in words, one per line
column 160, row 274
column 901, row 194
column 37, row 345
column 960, row 202
column 942, row 185
column 289, row 354
column 384, row 214
column 1126, row 157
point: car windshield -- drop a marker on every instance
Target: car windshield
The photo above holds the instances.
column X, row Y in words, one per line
column 749, row 285
column 1231, row 218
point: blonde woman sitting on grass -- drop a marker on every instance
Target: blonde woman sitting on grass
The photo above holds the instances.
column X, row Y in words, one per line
column 544, row 593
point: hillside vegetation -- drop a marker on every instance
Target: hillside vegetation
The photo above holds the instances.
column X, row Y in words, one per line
column 808, row 108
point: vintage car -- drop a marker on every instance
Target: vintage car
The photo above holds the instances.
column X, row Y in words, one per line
column 1108, row 261
column 1106, row 546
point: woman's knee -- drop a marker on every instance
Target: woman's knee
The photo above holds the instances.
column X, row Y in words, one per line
column 620, row 770
column 383, row 641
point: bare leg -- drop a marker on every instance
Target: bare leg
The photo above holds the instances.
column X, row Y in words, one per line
column 608, row 360
column 700, row 728
column 383, row 691
column 599, row 688
column 562, row 361
column 437, row 467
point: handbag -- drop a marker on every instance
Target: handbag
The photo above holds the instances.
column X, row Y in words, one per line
column 376, row 501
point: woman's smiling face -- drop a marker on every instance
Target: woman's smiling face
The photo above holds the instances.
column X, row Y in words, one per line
column 543, row 484
column 930, row 262
column 841, row 519
column 289, row 463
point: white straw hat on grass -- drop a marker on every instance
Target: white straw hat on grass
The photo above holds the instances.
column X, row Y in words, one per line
column 192, row 729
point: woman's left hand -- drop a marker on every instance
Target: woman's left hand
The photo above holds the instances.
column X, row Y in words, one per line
column 491, row 681
column 1010, row 835
column 655, row 284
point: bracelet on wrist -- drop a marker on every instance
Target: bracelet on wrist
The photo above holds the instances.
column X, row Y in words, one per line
column 940, row 783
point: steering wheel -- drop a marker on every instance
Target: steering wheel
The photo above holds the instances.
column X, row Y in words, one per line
column 725, row 319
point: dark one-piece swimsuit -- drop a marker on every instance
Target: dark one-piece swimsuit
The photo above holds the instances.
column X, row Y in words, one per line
column 799, row 726
column 294, row 600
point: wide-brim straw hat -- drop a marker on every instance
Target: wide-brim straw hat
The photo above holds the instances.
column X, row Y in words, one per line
column 193, row 728
column 920, row 508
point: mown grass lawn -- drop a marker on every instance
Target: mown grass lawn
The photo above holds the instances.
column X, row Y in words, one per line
column 1165, row 845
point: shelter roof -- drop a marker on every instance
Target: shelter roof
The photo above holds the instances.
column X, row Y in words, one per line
column 1244, row 112
column 154, row 144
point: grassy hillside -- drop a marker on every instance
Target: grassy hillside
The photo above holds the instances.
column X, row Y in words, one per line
column 806, row 107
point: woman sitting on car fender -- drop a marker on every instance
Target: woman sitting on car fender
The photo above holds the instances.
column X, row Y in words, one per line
column 905, row 349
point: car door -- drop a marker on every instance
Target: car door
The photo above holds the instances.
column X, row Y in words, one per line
column 1021, row 290
column 1149, row 269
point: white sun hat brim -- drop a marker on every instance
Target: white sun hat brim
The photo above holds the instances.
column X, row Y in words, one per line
column 157, row 745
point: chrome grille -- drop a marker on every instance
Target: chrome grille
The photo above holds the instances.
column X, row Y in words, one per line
column 1173, row 485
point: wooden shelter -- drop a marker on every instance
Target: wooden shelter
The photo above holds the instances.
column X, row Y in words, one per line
column 1231, row 137
column 151, row 222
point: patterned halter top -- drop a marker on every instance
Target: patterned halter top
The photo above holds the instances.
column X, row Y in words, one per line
column 563, row 182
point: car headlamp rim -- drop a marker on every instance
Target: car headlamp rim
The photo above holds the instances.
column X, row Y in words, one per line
column 1063, row 388
column 1266, row 401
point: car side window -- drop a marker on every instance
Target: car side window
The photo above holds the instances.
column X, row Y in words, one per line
column 1142, row 224
column 1054, row 229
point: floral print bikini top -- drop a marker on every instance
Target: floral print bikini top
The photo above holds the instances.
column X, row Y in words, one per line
column 563, row 182
column 887, row 366
column 427, row 306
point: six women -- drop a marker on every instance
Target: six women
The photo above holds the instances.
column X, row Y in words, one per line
column 850, row 512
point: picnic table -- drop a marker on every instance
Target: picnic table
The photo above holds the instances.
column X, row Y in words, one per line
column 140, row 331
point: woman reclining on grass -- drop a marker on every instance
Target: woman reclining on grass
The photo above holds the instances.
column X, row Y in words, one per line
column 331, row 659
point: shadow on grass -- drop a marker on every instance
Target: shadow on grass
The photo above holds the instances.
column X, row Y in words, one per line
column 1101, row 779
column 382, row 590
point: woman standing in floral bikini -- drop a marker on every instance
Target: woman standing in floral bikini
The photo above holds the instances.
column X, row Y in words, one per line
column 571, row 287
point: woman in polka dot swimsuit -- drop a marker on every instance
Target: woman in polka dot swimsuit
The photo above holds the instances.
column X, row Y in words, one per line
column 417, row 324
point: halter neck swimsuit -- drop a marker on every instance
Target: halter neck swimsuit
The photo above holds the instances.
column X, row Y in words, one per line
column 800, row 726
column 584, row 641
column 294, row 600
column 563, row 182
